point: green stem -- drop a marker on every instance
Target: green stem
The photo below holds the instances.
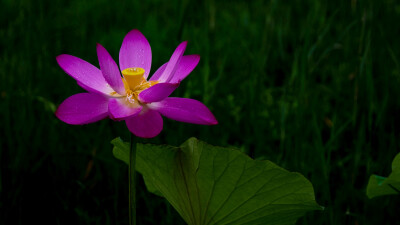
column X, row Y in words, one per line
column 132, row 182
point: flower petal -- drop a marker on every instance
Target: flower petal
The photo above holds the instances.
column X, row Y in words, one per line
column 147, row 124
column 173, row 63
column 186, row 66
column 120, row 108
column 185, row 110
column 135, row 52
column 157, row 92
column 88, row 88
column 159, row 72
column 83, row 108
column 85, row 73
column 110, row 70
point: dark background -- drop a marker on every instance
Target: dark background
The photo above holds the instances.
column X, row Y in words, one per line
column 313, row 86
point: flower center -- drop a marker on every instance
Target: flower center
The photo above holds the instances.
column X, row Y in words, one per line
column 134, row 83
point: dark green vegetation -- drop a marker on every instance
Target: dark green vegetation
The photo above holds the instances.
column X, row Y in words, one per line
column 310, row 85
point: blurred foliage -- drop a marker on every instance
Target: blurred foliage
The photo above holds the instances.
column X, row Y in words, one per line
column 314, row 81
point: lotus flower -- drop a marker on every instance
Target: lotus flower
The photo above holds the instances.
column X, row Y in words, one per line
column 132, row 97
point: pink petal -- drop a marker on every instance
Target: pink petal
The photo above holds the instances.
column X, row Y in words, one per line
column 110, row 70
column 135, row 52
column 157, row 92
column 84, row 72
column 173, row 63
column 185, row 110
column 120, row 108
column 186, row 66
column 159, row 72
column 147, row 124
column 88, row 88
column 83, row 108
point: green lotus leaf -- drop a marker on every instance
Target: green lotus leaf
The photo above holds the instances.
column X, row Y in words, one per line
column 378, row 186
column 214, row 185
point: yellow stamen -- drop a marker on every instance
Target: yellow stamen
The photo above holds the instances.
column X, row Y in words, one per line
column 134, row 83
column 133, row 77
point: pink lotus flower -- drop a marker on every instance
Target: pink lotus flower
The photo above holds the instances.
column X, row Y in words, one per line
column 132, row 97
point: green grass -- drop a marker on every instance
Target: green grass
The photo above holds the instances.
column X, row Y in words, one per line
column 310, row 85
